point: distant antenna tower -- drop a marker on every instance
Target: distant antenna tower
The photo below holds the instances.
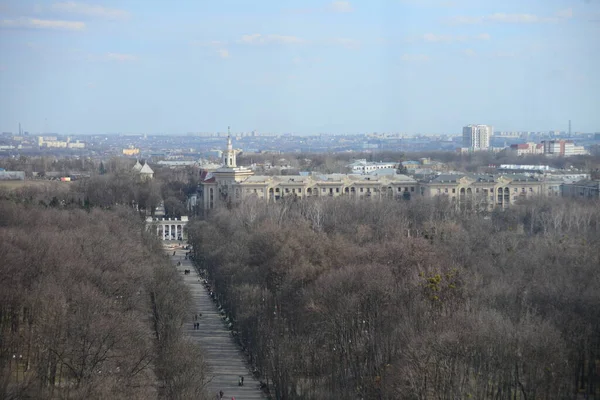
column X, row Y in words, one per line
column 569, row 127
column 228, row 131
column 19, row 129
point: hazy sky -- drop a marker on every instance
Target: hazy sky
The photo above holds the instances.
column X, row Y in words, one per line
column 414, row 66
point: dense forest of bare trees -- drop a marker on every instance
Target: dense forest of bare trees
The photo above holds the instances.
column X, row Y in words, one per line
column 111, row 189
column 411, row 300
column 90, row 307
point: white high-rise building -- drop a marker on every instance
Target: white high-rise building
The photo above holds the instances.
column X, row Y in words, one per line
column 477, row 137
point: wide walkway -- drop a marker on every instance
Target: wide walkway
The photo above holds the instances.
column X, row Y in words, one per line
column 221, row 353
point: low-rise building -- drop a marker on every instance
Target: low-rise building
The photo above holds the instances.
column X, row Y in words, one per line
column 562, row 148
column 585, row 188
column 11, row 175
column 363, row 166
column 527, row 148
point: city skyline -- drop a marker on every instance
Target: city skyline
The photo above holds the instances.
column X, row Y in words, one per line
column 415, row 66
column 248, row 133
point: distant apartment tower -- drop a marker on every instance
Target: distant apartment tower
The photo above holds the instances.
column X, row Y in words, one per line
column 477, row 137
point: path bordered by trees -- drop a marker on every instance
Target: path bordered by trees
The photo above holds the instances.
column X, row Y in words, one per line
column 220, row 351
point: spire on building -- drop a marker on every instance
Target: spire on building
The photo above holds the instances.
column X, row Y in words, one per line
column 229, row 145
column 229, row 154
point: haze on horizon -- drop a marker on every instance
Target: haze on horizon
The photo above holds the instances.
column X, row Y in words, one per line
column 414, row 66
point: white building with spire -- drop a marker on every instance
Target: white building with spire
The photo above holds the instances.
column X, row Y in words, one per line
column 219, row 185
column 229, row 156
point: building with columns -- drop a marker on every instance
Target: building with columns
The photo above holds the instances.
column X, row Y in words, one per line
column 483, row 192
column 168, row 228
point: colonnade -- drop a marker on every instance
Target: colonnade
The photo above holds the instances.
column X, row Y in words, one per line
column 168, row 228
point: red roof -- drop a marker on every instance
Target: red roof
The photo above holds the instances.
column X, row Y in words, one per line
column 203, row 177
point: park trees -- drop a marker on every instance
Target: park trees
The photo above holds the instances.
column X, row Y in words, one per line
column 407, row 300
column 90, row 307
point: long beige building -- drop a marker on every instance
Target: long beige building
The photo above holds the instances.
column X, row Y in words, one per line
column 484, row 191
column 231, row 184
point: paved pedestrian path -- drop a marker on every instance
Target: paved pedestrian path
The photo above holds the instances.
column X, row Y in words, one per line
column 221, row 353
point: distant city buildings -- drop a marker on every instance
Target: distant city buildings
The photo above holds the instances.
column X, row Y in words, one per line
column 477, row 137
column 174, row 164
column 554, row 147
column 562, row 148
column 510, row 135
column 11, row 175
column 131, row 151
column 52, row 141
column 522, row 149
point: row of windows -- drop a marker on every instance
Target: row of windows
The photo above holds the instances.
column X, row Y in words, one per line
column 491, row 190
column 369, row 190
column 324, row 190
column 500, row 198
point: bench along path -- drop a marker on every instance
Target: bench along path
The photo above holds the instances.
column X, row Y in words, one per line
column 220, row 351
